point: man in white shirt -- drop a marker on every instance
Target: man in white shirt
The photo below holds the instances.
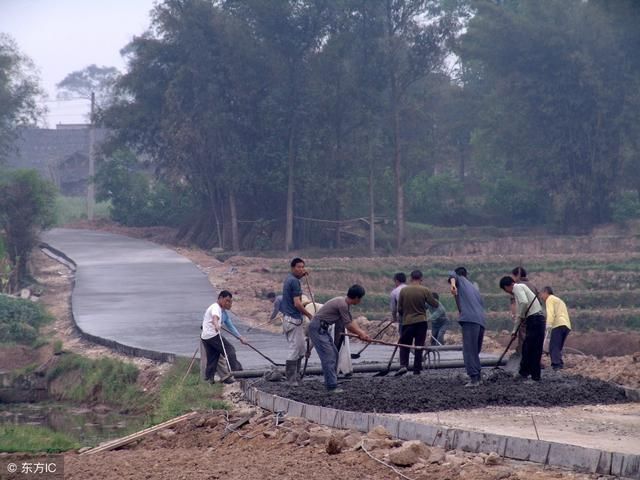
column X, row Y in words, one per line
column 215, row 345
column 530, row 314
column 400, row 280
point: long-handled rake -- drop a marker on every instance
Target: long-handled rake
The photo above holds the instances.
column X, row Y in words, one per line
column 255, row 349
column 380, row 332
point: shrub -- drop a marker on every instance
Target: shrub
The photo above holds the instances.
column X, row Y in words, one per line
column 26, row 207
column 20, row 320
column 436, row 198
column 625, row 207
column 136, row 199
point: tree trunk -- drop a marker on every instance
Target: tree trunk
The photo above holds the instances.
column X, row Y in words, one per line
column 288, row 243
column 235, row 241
column 372, row 218
column 397, row 170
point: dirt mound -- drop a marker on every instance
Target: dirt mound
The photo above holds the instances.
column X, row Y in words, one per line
column 621, row 370
column 444, row 390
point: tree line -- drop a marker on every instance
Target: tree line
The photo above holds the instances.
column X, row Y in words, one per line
column 283, row 123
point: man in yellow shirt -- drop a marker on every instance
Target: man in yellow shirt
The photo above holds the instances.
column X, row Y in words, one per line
column 559, row 325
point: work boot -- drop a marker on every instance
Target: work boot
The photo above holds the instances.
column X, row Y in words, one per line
column 291, row 372
column 299, row 369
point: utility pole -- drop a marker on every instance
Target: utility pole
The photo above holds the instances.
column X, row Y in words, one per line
column 91, row 193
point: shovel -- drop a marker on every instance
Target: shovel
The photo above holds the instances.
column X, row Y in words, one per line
column 515, row 358
column 357, row 355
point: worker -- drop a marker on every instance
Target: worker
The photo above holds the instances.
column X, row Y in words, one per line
column 400, row 281
column 472, row 322
column 293, row 320
column 530, row 316
column 558, row 326
column 276, row 300
column 519, row 275
column 214, row 318
column 412, row 308
column 336, row 310
column 439, row 321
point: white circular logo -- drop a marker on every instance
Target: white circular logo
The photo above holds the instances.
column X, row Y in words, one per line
column 12, row 468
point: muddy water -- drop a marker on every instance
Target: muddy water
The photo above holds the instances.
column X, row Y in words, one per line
column 87, row 426
column 437, row 390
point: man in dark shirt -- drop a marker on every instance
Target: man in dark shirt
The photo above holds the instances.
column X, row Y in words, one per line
column 412, row 307
column 335, row 311
column 293, row 321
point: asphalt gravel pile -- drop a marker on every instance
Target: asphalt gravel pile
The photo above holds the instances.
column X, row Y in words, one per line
column 437, row 390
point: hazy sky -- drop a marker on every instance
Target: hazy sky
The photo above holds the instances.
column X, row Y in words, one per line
column 62, row 36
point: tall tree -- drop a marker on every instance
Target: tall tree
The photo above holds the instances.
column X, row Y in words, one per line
column 292, row 30
column 416, row 34
column 19, row 91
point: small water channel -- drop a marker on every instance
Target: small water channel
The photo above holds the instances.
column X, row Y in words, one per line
column 88, row 426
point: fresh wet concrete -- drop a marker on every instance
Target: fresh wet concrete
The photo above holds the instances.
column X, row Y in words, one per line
column 436, row 390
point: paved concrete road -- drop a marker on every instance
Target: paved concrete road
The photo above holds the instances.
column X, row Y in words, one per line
column 142, row 295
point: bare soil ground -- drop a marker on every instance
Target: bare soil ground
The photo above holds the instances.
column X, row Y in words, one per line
column 291, row 449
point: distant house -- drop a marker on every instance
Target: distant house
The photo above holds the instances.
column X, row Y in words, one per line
column 60, row 155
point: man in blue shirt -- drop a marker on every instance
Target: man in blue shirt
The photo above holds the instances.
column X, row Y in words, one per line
column 472, row 322
column 293, row 321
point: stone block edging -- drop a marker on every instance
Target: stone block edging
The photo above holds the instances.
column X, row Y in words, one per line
column 573, row 457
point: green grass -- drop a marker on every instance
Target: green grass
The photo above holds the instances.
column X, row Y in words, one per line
column 72, row 209
column 176, row 398
column 105, row 380
column 30, row 438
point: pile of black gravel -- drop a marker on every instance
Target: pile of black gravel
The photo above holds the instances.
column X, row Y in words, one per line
column 436, row 390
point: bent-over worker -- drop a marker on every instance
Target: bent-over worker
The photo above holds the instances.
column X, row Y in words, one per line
column 336, row 310
column 529, row 312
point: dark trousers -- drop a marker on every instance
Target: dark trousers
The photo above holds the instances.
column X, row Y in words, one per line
column 415, row 333
column 556, row 343
column 214, row 349
column 532, row 346
column 472, row 338
column 327, row 351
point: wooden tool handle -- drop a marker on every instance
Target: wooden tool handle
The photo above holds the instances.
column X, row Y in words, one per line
column 389, row 343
